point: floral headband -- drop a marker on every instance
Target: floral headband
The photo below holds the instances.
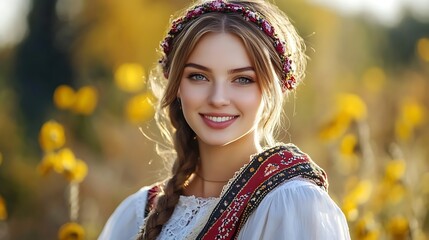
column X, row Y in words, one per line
column 288, row 81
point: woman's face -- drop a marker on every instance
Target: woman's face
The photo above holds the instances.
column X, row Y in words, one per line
column 219, row 91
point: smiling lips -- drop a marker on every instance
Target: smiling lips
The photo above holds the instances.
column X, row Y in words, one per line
column 218, row 121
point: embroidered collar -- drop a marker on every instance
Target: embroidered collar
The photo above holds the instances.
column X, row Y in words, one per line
column 264, row 173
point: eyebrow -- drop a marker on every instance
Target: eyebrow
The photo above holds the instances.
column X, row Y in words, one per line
column 203, row 68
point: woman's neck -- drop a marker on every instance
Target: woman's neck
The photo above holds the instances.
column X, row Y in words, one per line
column 218, row 164
column 221, row 162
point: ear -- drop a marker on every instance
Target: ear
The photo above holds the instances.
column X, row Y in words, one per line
column 178, row 93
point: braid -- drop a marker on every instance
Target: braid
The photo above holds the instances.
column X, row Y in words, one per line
column 187, row 154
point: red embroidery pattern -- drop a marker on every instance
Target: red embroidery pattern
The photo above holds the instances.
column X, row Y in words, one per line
column 231, row 218
column 265, row 172
column 270, row 168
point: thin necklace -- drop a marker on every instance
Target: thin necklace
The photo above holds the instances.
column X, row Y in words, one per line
column 213, row 181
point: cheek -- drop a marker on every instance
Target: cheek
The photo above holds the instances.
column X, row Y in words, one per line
column 190, row 97
column 250, row 100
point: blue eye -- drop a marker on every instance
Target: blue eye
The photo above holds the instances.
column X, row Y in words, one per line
column 243, row 80
column 197, row 77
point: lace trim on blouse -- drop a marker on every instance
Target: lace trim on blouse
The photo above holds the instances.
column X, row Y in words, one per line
column 188, row 210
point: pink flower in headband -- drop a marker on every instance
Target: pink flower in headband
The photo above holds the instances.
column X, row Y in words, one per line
column 288, row 81
column 217, row 5
column 197, row 12
column 250, row 16
column 268, row 29
column 280, row 47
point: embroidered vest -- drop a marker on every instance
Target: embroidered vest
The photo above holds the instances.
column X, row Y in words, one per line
column 265, row 172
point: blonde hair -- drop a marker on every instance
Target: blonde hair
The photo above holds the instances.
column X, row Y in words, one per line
column 268, row 68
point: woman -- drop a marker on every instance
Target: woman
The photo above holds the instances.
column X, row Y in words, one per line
column 227, row 67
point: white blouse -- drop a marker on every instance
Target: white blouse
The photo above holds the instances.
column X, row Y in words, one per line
column 295, row 210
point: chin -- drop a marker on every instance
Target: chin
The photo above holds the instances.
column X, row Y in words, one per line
column 225, row 141
column 216, row 142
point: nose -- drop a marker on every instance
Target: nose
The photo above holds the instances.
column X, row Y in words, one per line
column 219, row 95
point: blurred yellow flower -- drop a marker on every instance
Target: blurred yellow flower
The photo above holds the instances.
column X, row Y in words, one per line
column 51, row 136
column 423, row 49
column 130, row 77
column 348, row 162
column 86, row 100
column 348, row 145
column 334, row 128
column 412, row 114
column 64, row 161
column 396, row 193
column 382, row 193
column 398, row 228
column 350, row 210
column 374, row 79
column 78, row 173
column 71, row 231
column 47, row 163
column 351, row 105
column 64, row 97
column 3, row 211
column 395, row 169
column 367, row 228
column 363, row 191
column 360, row 193
column 140, row 108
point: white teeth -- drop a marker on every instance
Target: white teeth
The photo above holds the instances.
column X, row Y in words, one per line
column 219, row 119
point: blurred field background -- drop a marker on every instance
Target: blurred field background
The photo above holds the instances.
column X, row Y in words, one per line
column 78, row 69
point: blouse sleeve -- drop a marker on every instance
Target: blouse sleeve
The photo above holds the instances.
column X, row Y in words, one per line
column 127, row 218
column 296, row 210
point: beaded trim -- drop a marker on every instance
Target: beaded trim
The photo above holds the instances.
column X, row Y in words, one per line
column 288, row 81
